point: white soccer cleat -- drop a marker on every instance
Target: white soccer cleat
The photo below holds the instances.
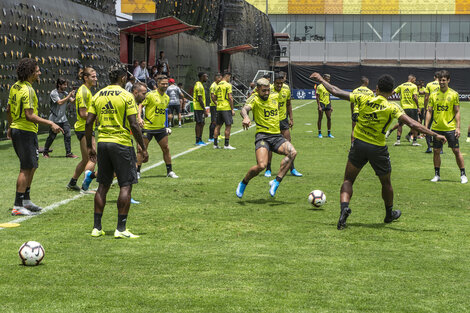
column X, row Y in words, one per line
column 138, row 175
column 172, row 175
column 463, row 179
column 416, row 144
column 397, row 143
column 229, row 147
column 468, row 139
column 124, row 234
column 19, row 210
column 28, row 204
column 436, row 179
column 387, row 134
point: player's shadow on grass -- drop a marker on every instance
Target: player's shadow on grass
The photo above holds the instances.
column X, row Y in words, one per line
column 270, row 202
column 153, row 176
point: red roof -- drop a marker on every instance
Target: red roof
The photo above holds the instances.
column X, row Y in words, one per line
column 159, row 28
column 236, row 49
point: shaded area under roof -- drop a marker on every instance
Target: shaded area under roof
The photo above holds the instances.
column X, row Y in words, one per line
column 160, row 28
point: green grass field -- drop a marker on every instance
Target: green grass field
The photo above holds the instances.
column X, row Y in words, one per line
column 204, row 250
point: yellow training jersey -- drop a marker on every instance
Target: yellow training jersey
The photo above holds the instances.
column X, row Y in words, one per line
column 212, row 90
column 222, row 92
column 83, row 98
column 112, row 105
column 375, row 116
column 421, row 95
column 442, row 104
column 199, row 91
column 432, row 87
column 265, row 114
column 22, row 97
column 283, row 96
column 155, row 110
column 363, row 91
column 323, row 94
column 406, row 92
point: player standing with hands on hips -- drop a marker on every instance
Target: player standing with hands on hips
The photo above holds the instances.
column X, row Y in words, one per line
column 373, row 115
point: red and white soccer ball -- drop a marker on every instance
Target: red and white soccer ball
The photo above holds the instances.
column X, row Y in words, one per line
column 317, row 198
column 31, row 253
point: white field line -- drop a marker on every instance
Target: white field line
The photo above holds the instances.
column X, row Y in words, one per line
column 78, row 196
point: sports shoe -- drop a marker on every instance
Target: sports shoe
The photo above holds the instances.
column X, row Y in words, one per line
column 211, row 140
column 73, row 187
column 240, row 189
column 408, row 137
column 274, row 185
column 468, row 139
column 87, row 180
column 71, row 156
column 138, row 175
column 428, row 150
column 124, row 234
column 267, row 173
column 295, row 173
column 179, row 125
column 415, row 144
column 172, row 175
column 201, row 143
column 387, row 134
column 320, row 136
column 97, row 233
column 397, row 143
column 46, row 155
column 463, row 180
column 229, row 147
column 436, row 179
column 331, row 136
column 217, row 147
column 343, row 217
column 27, row 204
column 19, row 210
column 394, row 215
column 134, row 201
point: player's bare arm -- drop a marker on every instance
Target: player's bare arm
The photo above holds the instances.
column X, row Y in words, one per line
column 30, row 116
column 137, row 133
column 230, row 100
column 335, row 91
column 405, row 119
column 457, row 120
column 246, row 118
column 289, row 113
column 88, row 136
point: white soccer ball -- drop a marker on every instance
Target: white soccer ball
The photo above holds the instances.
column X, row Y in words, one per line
column 317, row 198
column 31, row 253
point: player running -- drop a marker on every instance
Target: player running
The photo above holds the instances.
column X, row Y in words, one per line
column 23, row 120
column 199, row 101
column 282, row 90
column 225, row 110
column 445, row 109
column 268, row 136
column 361, row 90
column 213, row 106
column 115, row 110
column 324, row 105
column 373, row 114
column 153, row 124
column 83, row 98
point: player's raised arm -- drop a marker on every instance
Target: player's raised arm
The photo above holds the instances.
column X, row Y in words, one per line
column 335, row 91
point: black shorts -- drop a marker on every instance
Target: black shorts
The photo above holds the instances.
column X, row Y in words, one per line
column 325, row 107
column 158, row 134
column 272, row 142
column 26, row 147
column 452, row 141
column 224, row 117
column 81, row 134
column 213, row 111
column 413, row 113
column 199, row 116
column 174, row 109
column 284, row 124
column 119, row 159
column 362, row 152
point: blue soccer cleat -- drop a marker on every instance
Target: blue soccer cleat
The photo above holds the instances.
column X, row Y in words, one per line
column 274, row 185
column 296, row 173
column 320, row 136
column 240, row 189
column 87, row 181
column 331, row 136
column 201, row 143
column 267, row 173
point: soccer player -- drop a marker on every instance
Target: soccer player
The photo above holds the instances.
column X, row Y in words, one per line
column 213, row 107
column 199, row 101
column 282, row 90
column 23, row 120
column 115, row 110
column 408, row 92
column 373, row 114
column 153, row 124
column 430, row 88
column 268, row 136
column 83, row 98
column 324, row 105
column 139, row 91
column 225, row 110
column 59, row 99
column 361, row 90
column 174, row 107
column 445, row 108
